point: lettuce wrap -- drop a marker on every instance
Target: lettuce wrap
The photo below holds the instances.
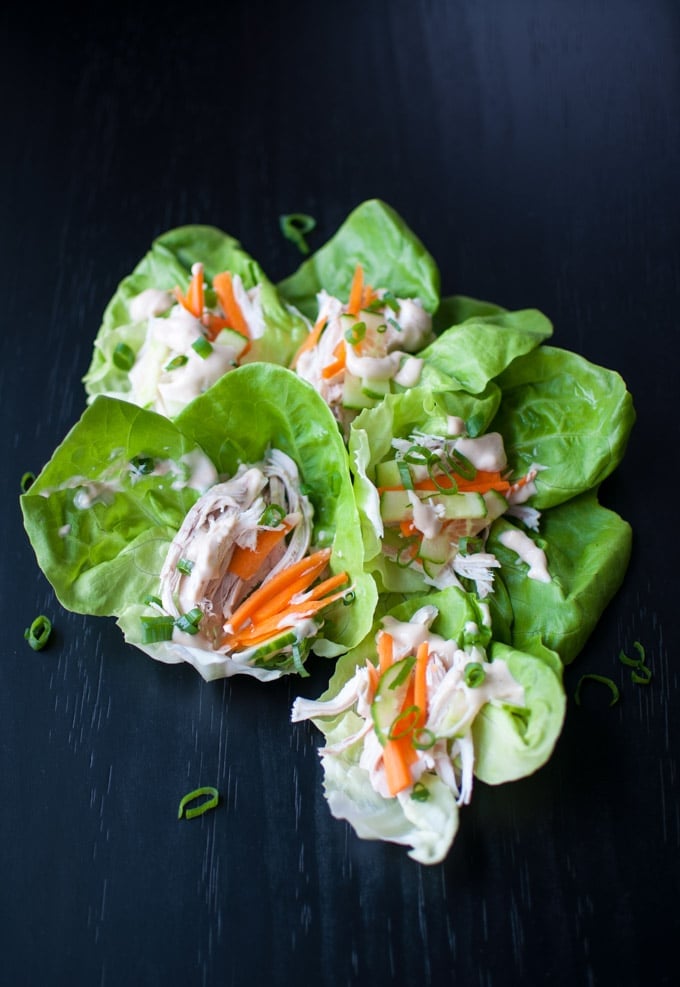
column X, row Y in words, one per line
column 370, row 292
column 195, row 306
column 128, row 519
column 557, row 425
column 425, row 704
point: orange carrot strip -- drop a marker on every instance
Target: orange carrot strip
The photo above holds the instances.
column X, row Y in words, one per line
column 283, row 598
column 262, row 630
column 385, row 651
column 420, row 682
column 373, row 679
column 311, row 340
column 193, row 301
column 304, row 569
column 340, row 354
column 356, row 291
column 214, row 325
column 224, row 289
column 397, row 770
column 245, row 562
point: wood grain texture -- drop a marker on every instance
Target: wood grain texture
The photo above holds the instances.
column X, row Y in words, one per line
column 534, row 147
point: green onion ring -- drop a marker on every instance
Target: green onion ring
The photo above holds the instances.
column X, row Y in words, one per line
column 271, row 516
column 424, row 739
column 26, row 481
column 211, row 802
column 410, row 716
column 603, row 680
column 473, row 674
column 295, row 226
column 124, row 357
column 419, row 792
column 38, row 634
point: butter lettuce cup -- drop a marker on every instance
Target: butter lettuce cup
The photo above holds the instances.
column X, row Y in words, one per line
column 228, row 538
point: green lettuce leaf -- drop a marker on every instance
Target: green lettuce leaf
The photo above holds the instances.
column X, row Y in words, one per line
column 568, row 415
column 168, row 264
column 509, row 742
column 101, row 527
column 378, row 239
column 588, row 548
column 477, row 350
column 454, row 309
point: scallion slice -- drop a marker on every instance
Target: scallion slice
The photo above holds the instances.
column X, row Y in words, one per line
column 38, row 634
column 124, row 357
column 602, row 680
column 419, row 793
column 473, row 674
column 211, row 796
column 272, row 516
column 202, row 346
column 295, row 226
column 26, row 481
column 143, row 465
column 641, row 674
column 179, row 361
column 188, row 622
column 355, row 333
column 299, row 653
column 157, row 629
column 185, row 566
column 404, row 723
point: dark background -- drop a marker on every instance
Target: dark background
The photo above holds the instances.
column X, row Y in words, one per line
column 534, row 147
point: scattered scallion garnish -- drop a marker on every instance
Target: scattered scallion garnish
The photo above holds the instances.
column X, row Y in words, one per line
column 185, row 566
column 641, row 674
column 355, row 333
column 211, row 796
column 295, row 226
column 202, row 346
column 124, row 357
column 602, row 680
column 188, row 622
column 272, row 516
column 419, row 793
column 179, row 361
column 473, row 674
column 38, row 634
column 157, row 629
column 26, row 481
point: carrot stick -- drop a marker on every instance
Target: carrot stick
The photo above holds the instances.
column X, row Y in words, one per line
column 284, row 597
column 338, row 364
column 385, row 651
column 397, row 770
column 303, row 571
column 356, row 291
column 311, row 340
column 193, row 301
column 245, row 562
column 373, row 679
column 224, row 289
column 260, row 631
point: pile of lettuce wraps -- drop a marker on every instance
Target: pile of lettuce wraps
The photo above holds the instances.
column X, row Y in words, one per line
column 346, row 465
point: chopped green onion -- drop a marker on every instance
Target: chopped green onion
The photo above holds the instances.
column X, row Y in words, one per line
column 381, row 328
column 404, row 555
column 156, row 629
column 185, row 566
column 298, row 655
column 202, row 347
column 403, row 673
column 124, row 357
column 641, row 674
column 213, row 797
column 603, row 680
column 394, row 323
column 355, row 333
column 179, row 361
column 424, row 739
column 451, row 486
column 419, row 793
column 349, row 598
column 403, row 723
column 468, row 544
column 461, row 465
column 473, row 674
column 150, row 600
column 142, row 465
column 295, row 226
column 38, row 634
column 188, row 622
column 26, row 481
column 272, row 516
column 405, row 474
column 418, row 455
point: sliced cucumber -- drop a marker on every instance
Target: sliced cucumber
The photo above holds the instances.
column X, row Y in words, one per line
column 236, row 341
column 353, row 394
column 375, row 387
column 496, row 504
column 261, row 653
column 395, row 505
column 389, row 697
column 436, row 549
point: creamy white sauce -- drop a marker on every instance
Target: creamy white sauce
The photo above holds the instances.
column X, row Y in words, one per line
column 455, row 425
column 148, row 303
column 517, row 541
column 409, row 373
column 486, row 452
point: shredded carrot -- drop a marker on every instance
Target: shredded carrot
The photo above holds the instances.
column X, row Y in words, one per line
column 356, row 291
column 311, row 340
column 245, row 562
column 285, row 596
column 483, row 480
column 338, row 365
column 373, row 679
column 396, row 759
column 262, row 630
column 385, row 650
column 224, row 289
column 214, row 324
column 420, row 682
column 296, row 578
column 193, row 301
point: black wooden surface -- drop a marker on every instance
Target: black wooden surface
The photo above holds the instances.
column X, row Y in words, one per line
column 534, row 147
